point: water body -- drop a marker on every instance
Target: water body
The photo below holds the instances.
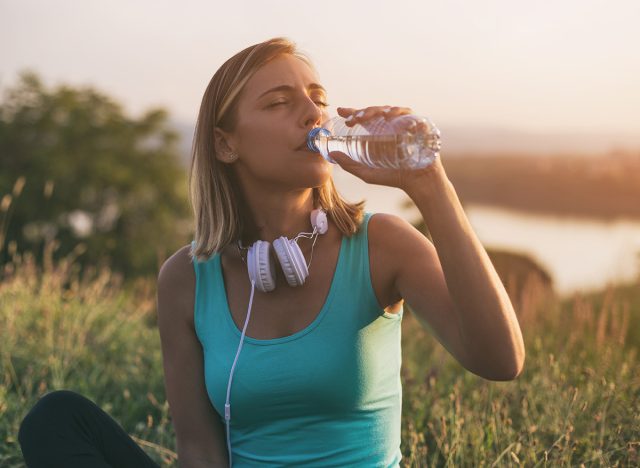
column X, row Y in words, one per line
column 579, row 254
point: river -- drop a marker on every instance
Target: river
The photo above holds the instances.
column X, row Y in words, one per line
column 579, row 254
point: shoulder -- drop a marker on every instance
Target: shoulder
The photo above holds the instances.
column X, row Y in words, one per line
column 384, row 219
column 389, row 231
column 393, row 242
column 178, row 268
column 176, row 282
column 397, row 242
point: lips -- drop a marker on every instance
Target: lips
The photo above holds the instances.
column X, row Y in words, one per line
column 303, row 146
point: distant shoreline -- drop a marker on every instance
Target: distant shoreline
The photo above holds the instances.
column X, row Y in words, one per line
column 599, row 187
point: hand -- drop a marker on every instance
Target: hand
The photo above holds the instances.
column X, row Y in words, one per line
column 399, row 178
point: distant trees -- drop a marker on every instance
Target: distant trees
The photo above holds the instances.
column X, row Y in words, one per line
column 75, row 168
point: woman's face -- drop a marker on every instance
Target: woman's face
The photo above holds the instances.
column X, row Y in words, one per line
column 278, row 106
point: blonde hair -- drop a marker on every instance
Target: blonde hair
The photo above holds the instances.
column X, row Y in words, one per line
column 220, row 211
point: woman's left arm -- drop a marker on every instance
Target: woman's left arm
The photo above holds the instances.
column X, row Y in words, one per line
column 451, row 285
column 491, row 343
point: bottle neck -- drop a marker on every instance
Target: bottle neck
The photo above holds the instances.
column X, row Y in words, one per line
column 313, row 139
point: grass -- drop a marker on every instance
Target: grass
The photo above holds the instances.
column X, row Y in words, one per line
column 90, row 334
column 576, row 403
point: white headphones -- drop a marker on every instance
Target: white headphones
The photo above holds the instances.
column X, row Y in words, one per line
column 262, row 269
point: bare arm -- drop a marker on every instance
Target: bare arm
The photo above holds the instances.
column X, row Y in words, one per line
column 200, row 435
column 452, row 285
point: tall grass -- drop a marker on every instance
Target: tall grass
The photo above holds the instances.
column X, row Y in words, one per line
column 577, row 403
column 88, row 333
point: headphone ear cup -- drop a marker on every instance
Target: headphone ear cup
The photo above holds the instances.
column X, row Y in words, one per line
column 261, row 269
column 319, row 220
column 291, row 260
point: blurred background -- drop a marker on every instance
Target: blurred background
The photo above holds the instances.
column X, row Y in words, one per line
column 538, row 104
column 539, row 108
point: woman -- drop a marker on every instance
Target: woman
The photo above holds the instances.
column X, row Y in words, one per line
column 312, row 377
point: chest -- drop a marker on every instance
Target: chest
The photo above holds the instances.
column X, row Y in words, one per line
column 345, row 364
column 287, row 310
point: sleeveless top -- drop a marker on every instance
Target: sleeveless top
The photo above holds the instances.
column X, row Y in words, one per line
column 328, row 395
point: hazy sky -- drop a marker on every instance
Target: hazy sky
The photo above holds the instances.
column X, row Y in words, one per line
column 564, row 65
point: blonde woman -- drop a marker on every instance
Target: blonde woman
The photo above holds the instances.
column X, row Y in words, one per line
column 280, row 322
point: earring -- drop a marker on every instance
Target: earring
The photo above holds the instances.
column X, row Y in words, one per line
column 232, row 155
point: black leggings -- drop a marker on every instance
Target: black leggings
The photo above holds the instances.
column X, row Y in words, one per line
column 65, row 429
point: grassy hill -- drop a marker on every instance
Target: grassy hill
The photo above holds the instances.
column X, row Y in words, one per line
column 575, row 403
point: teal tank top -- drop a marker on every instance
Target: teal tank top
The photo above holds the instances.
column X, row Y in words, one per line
column 328, row 395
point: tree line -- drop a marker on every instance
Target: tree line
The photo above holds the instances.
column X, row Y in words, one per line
column 78, row 171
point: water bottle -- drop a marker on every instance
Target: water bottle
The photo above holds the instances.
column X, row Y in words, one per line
column 405, row 141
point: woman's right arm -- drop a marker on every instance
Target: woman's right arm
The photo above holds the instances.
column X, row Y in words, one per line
column 200, row 435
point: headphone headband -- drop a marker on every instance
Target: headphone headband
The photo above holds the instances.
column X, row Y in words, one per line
column 260, row 265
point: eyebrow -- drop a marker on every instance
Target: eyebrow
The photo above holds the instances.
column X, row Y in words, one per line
column 289, row 88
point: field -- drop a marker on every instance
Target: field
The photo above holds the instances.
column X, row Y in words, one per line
column 576, row 403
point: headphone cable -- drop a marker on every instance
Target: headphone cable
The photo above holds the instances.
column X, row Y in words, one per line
column 227, row 405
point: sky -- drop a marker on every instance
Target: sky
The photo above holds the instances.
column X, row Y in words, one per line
column 545, row 66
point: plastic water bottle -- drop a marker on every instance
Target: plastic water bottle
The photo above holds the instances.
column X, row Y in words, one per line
column 405, row 141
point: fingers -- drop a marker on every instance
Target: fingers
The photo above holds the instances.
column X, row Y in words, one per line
column 391, row 112
column 346, row 111
column 358, row 116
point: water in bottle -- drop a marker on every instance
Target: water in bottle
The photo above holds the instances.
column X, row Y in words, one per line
column 405, row 141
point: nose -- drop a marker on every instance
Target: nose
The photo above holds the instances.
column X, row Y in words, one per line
column 312, row 115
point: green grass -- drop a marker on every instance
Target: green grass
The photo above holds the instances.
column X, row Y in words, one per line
column 576, row 403
column 92, row 335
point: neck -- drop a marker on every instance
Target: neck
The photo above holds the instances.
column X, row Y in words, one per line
column 279, row 214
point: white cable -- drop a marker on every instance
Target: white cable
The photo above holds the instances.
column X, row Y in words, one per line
column 312, row 246
column 309, row 235
column 227, row 405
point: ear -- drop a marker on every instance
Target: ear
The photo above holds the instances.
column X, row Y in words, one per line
column 223, row 145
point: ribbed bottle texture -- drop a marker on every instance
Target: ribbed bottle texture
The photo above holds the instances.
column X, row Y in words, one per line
column 406, row 141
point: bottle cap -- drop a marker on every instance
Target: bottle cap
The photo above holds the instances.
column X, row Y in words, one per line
column 312, row 136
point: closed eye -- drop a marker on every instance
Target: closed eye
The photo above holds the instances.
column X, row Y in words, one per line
column 318, row 103
column 277, row 103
